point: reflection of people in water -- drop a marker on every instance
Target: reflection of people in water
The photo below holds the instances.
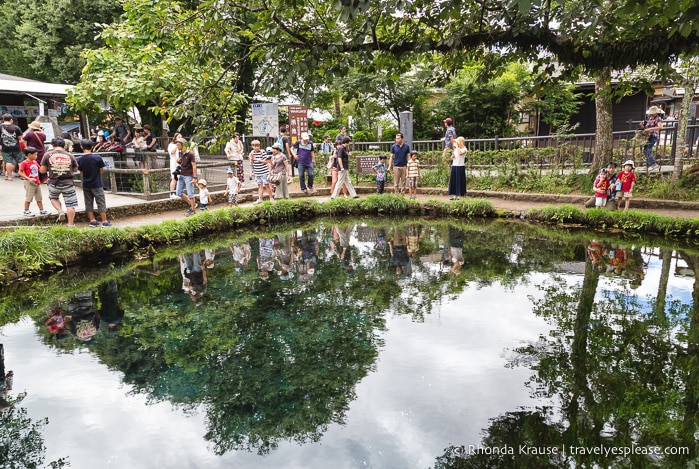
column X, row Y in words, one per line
column 413, row 239
column 265, row 260
column 56, row 323
column 343, row 249
column 456, row 249
column 596, row 251
column 617, row 259
column 5, row 380
column 209, row 255
column 284, row 255
column 241, row 255
column 81, row 318
column 398, row 247
column 109, row 311
column 193, row 276
column 306, row 253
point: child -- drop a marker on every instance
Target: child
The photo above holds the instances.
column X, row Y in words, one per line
column 413, row 174
column 601, row 188
column 203, row 195
column 628, row 179
column 380, row 170
column 91, row 166
column 29, row 171
column 232, row 188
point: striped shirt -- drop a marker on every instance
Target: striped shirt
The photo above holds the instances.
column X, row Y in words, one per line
column 259, row 164
column 413, row 168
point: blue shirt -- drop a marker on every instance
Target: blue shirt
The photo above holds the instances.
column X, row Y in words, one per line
column 400, row 154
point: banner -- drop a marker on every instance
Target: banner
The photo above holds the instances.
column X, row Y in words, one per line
column 20, row 111
column 298, row 120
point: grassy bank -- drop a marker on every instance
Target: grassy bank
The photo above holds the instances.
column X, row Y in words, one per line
column 29, row 251
column 32, row 251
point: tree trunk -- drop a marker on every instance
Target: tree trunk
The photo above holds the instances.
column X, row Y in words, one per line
column 666, row 256
column 681, row 136
column 603, row 114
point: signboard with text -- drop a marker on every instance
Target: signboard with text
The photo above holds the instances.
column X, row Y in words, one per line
column 20, row 111
column 298, row 120
column 265, row 119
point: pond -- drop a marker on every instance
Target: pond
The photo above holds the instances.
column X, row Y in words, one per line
column 386, row 344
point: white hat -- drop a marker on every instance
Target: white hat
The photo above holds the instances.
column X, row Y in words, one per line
column 654, row 110
column 201, row 181
column 629, row 162
column 304, row 135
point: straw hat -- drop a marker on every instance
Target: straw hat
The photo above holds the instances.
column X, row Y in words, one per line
column 34, row 125
column 202, row 182
column 654, row 110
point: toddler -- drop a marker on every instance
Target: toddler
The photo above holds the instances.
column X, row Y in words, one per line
column 380, row 170
column 203, row 195
column 413, row 174
column 232, row 188
column 601, row 188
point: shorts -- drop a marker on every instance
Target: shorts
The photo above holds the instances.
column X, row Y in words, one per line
column 600, row 201
column 32, row 191
column 95, row 195
column 185, row 182
column 203, row 207
column 233, row 199
column 412, row 182
column 13, row 157
column 264, row 179
column 69, row 195
column 625, row 195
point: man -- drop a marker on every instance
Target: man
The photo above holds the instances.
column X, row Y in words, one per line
column 449, row 137
column 307, row 160
column 327, row 146
column 11, row 151
column 187, row 176
column 341, row 136
column 342, row 162
column 399, row 163
column 61, row 166
column 122, row 132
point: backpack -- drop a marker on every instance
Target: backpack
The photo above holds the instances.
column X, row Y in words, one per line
column 9, row 139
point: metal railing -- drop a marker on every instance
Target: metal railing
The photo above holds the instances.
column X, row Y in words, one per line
column 148, row 173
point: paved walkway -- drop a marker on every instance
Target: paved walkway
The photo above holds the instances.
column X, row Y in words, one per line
column 13, row 199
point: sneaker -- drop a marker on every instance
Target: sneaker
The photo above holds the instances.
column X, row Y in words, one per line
column 305, row 191
column 27, row 213
column 173, row 195
column 61, row 217
column 94, row 224
column 355, row 197
column 70, row 226
column 311, row 190
column 106, row 224
column 257, row 202
column 43, row 212
column 189, row 213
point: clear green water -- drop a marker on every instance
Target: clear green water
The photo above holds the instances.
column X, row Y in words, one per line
column 362, row 345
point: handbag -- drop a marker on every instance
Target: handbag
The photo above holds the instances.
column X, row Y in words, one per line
column 276, row 178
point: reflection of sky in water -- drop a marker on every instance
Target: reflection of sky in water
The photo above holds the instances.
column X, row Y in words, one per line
column 435, row 383
column 679, row 287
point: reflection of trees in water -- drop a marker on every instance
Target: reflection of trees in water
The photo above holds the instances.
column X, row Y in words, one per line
column 21, row 439
column 621, row 377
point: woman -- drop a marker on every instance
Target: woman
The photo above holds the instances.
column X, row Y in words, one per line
column 35, row 137
column 652, row 127
column 457, row 179
column 174, row 154
column 280, row 165
column 234, row 151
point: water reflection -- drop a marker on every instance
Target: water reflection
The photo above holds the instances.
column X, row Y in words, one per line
column 270, row 337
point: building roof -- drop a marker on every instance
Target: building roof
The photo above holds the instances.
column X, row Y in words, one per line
column 17, row 85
